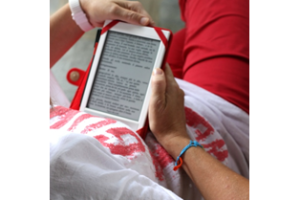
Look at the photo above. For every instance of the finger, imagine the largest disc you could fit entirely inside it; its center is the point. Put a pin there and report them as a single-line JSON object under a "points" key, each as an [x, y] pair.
{"points": [[137, 7], [158, 87], [130, 5], [129, 16], [171, 82], [152, 23]]}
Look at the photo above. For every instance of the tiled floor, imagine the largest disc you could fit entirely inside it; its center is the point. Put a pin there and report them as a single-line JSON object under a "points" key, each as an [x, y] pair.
{"points": [[165, 13]]}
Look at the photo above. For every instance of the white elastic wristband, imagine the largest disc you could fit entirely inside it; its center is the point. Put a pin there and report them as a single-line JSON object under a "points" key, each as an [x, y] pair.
{"points": [[79, 16]]}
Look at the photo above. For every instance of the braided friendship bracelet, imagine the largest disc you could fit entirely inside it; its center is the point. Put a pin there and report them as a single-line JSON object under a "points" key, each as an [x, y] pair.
{"points": [[191, 144]]}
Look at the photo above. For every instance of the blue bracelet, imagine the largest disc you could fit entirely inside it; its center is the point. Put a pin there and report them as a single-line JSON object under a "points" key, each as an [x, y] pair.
{"points": [[191, 144]]}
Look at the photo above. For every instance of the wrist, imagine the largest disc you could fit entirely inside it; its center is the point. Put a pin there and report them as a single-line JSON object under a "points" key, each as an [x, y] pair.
{"points": [[175, 144], [83, 4], [79, 15]]}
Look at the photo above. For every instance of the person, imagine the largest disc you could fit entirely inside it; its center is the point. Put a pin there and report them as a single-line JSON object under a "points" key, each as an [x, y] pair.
{"points": [[207, 102]]}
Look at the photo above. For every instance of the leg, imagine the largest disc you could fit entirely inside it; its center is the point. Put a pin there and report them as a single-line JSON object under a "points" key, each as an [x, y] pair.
{"points": [[216, 47]]}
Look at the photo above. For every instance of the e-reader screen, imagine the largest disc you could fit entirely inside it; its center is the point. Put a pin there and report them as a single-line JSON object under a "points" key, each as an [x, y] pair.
{"points": [[123, 75]]}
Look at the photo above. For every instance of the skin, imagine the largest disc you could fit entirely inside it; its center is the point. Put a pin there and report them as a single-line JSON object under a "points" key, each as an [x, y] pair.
{"points": [[167, 122], [64, 32], [166, 109]]}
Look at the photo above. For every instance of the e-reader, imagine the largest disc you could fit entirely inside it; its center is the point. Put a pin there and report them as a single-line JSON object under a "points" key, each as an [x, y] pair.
{"points": [[118, 86]]}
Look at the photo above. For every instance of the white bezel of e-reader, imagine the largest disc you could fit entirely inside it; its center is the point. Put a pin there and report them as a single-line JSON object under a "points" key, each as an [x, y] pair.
{"points": [[142, 31]]}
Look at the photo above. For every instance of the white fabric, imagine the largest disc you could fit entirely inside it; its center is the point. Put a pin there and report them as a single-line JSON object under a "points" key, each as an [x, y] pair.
{"points": [[121, 163], [81, 168], [231, 122]]}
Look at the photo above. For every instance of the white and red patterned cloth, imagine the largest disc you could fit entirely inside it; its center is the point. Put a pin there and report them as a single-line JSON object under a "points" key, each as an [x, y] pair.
{"points": [[97, 158]]}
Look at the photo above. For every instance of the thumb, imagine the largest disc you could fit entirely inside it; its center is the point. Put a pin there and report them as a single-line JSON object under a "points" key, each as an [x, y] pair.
{"points": [[130, 16], [158, 87]]}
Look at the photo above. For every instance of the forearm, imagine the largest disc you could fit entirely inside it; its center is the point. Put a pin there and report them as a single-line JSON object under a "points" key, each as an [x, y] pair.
{"points": [[64, 33], [212, 178], [168, 124]]}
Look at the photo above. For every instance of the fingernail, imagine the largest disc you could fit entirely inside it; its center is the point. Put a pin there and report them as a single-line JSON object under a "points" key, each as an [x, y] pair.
{"points": [[157, 71], [144, 21]]}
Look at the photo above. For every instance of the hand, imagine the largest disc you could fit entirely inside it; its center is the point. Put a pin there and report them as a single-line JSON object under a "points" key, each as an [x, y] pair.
{"points": [[167, 122], [166, 109], [97, 11]]}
